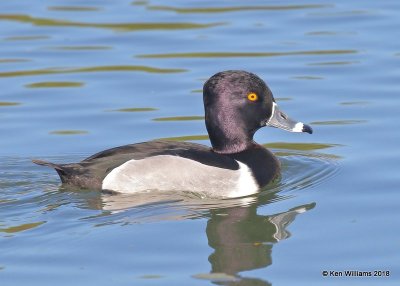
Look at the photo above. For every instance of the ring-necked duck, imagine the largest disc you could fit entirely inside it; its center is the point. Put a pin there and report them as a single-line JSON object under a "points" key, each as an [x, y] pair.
{"points": [[237, 104]]}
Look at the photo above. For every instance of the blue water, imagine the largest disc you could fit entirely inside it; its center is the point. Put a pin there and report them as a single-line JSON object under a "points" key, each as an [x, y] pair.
{"points": [[77, 78]]}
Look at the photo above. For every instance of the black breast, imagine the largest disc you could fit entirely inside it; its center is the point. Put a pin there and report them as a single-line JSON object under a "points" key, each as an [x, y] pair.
{"points": [[263, 164]]}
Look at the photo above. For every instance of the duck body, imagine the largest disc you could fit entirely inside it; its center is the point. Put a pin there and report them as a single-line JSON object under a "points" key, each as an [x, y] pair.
{"points": [[169, 165], [237, 104]]}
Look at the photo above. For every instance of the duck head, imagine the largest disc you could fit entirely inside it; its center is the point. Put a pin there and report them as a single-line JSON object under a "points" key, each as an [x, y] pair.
{"points": [[237, 104]]}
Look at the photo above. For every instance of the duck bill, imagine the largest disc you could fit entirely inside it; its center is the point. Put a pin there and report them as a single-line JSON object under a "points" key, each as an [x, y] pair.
{"points": [[280, 120]]}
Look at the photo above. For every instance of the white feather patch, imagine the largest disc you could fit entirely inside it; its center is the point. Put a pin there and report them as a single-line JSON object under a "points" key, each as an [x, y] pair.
{"points": [[173, 173], [298, 127]]}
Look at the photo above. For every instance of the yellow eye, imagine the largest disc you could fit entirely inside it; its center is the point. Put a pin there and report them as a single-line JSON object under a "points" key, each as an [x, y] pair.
{"points": [[252, 96]]}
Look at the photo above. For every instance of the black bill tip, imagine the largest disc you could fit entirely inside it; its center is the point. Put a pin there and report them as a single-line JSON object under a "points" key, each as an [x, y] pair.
{"points": [[307, 128]]}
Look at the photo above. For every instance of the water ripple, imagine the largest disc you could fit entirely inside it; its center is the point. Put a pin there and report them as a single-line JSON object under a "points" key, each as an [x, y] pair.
{"points": [[236, 8], [121, 27], [73, 8], [36, 190], [124, 68], [301, 170], [244, 54]]}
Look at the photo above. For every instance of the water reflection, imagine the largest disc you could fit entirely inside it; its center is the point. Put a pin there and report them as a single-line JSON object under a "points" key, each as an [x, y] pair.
{"points": [[244, 54], [300, 146], [9, 103], [54, 84], [243, 240], [179, 118], [361, 103], [121, 27], [339, 122], [134, 109], [81, 48], [199, 137], [239, 231], [321, 33], [27, 38], [234, 8], [22, 227], [124, 68], [329, 33], [7, 61], [350, 13], [68, 132], [336, 63], [308, 77], [73, 8]]}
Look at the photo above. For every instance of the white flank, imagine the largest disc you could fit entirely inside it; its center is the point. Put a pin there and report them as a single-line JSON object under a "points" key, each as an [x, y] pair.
{"points": [[173, 173], [247, 184]]}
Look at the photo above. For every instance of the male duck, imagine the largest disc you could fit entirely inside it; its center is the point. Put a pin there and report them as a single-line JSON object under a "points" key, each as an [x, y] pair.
{"points": [[237, 104]]}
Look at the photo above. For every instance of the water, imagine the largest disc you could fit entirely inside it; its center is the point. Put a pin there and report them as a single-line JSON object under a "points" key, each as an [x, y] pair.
{"points": [[77, 78]]}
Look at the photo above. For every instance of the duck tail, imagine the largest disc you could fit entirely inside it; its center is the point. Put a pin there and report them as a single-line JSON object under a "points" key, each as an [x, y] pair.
{"points": [[59, 168], [45, 163]]}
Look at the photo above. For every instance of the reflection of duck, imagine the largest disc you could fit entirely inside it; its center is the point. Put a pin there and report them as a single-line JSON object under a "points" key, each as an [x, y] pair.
{"points": [[237, 104], [243, 240]]}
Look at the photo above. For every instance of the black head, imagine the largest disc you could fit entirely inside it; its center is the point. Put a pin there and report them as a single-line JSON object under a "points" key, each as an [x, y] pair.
{"points": [[237, 104]]}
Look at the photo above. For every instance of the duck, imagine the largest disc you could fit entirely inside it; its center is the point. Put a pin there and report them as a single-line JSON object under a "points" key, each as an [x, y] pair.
{"points": [[237, 103]]}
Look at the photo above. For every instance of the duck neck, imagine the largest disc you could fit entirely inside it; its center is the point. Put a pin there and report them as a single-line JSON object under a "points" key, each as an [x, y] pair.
{"points": [[230, 142]]}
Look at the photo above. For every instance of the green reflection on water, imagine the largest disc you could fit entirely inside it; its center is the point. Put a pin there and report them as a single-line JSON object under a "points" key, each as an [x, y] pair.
{"points": [[134, 109], [68, 132], [26, 38], [127, 68], [179, 118], [52, 84], [81, 48], [2, 201], [22, 227], [324, 156], [341, 14], [186, 138], [338, 122], [235, 8], [6, 61], [283, 98], [140, 2], [89, 69], [299, 146], [274, 145], [216, 277], [354, 103], [308, 77], [113, 26], [8, 103], [243, 240], [321, 33], [151, 276], [334, 63], [73, 8], [245, 54]]}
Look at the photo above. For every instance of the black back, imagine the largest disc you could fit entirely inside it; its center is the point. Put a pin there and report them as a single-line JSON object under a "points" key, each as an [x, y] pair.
{"points": [[90, 172]]}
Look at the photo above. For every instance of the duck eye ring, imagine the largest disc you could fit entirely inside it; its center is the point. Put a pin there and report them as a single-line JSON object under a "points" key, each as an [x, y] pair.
{"points": [[252, 96]]}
